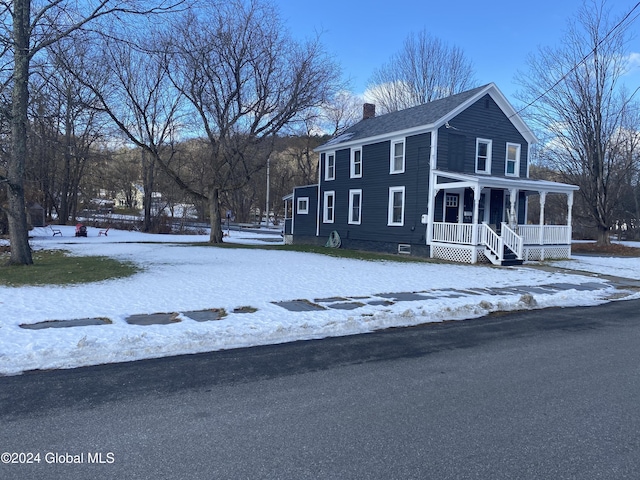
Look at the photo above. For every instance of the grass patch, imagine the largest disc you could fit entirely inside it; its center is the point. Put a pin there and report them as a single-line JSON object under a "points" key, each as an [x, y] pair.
{"points": [[331, 252], [615, 249], [56, 267], [245, 309]]}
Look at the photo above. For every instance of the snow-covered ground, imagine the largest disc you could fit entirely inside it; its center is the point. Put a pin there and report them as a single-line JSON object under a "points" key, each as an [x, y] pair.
{"points": [[176, 277]]}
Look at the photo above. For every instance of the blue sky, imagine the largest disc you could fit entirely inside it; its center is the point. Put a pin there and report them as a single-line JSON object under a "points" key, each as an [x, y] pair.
{"points": [[496, 35]]}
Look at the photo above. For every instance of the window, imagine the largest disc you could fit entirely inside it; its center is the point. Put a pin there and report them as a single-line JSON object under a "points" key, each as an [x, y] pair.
{"points": [[303, 205], [396, 206], [483, 156], [330, 166], [397, 157], [355, 206], [512, 167], [329, 207], [356, 163]]}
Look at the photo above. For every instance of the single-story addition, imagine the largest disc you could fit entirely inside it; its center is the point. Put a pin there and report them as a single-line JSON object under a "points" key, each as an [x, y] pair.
{"points": [[448, 179]]}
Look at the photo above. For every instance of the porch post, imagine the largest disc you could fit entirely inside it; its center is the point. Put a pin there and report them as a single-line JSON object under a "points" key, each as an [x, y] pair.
{"points": [[430, 210], [476, 213], [474, 232], [569, 215], [543, 199], [513, 218], [286, 210]]}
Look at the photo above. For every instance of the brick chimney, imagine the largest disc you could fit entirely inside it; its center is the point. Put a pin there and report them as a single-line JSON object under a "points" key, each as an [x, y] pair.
{"points": [[368, 111]]}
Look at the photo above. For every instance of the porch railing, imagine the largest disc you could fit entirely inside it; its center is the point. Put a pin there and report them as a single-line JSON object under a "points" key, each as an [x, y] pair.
{"points": [[462, 233], [453, 233], [512, 240], [492, 240], [545, 235]]}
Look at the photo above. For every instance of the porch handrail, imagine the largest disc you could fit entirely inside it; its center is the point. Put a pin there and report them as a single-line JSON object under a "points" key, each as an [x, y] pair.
{"points": [[492, 241], [512, 240]]}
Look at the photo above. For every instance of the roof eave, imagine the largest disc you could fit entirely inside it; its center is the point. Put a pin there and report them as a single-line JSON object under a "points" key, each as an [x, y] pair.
{"points": [[489, 181], [377, 138]]}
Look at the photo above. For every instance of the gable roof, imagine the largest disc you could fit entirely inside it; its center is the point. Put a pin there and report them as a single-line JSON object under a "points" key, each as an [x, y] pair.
{"points": [[424, 117]]}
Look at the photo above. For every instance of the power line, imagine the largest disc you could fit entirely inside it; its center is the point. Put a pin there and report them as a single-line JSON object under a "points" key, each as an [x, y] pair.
{"points": [[584, 59]]}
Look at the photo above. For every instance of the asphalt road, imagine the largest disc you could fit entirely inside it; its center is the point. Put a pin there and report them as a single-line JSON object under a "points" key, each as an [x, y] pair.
{"points": [[547, 394]]}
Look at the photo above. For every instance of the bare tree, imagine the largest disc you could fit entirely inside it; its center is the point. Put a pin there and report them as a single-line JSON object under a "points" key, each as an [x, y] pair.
{"points": [[425, 69], [316, 127], [245, 80], [136, 94], [627, 152], [26, 28], [78, 127], [575, 94]]}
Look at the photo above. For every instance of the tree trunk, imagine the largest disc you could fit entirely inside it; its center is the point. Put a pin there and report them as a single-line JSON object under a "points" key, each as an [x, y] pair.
{"points": [[66, 172], [148, 167], [214, 216], [603, 237], [16, 213]]}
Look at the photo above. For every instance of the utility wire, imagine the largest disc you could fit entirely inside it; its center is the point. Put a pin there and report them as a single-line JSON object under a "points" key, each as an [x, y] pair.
{"points": [[584, 59]]}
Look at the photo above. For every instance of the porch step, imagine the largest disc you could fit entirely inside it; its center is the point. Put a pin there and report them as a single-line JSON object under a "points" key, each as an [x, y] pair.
{"points": [[510, 263], [509, 258]]}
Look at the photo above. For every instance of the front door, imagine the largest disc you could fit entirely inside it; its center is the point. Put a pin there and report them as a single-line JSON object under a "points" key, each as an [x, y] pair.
{"points": [[496, 207], [451, 207]]}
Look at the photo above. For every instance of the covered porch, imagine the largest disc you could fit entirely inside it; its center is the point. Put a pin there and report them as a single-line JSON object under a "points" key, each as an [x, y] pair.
{"points": [[477, 218]]}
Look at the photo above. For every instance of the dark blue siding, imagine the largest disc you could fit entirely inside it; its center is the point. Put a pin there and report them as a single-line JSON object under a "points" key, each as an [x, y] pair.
{"points": [[483, 119], [305, 224], [522, 208], [375, 183], [438, 214]]}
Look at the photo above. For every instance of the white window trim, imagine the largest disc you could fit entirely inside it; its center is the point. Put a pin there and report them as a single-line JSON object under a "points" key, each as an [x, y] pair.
{"points": [[327, 176], [392, 191], [325, 210], [392, 162], [352, 193], [352, 170], [302, 211], [516, 169], [489, 150]]}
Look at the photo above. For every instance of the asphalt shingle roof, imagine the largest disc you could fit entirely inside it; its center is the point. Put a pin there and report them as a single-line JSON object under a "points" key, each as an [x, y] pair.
{"points": [[425, 114]]}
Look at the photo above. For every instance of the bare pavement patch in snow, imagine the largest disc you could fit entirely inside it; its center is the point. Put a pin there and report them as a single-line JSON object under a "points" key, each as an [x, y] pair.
{"points": [[205, 298]]}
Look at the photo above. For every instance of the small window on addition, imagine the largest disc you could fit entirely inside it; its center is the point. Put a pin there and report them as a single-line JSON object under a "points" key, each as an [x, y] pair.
{"points": [[303, 205]]}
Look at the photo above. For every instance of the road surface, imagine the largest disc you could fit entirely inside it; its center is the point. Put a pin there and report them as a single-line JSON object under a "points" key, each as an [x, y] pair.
{"points": [[544, 394]]}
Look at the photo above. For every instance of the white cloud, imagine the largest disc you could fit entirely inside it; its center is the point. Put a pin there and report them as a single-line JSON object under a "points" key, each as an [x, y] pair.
{"points": [[632, 63]]}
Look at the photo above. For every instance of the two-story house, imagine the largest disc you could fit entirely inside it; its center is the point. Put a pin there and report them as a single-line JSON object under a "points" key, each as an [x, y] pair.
{"points": [[449, 179]]}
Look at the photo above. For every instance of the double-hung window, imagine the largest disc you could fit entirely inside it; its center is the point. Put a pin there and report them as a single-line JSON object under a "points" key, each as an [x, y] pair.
{"points": [[356, 163], [483, 155], [396, 207], [397, 157], [329, 208], [355, 206], [512, 164], [330, 166], [303, 205]]}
